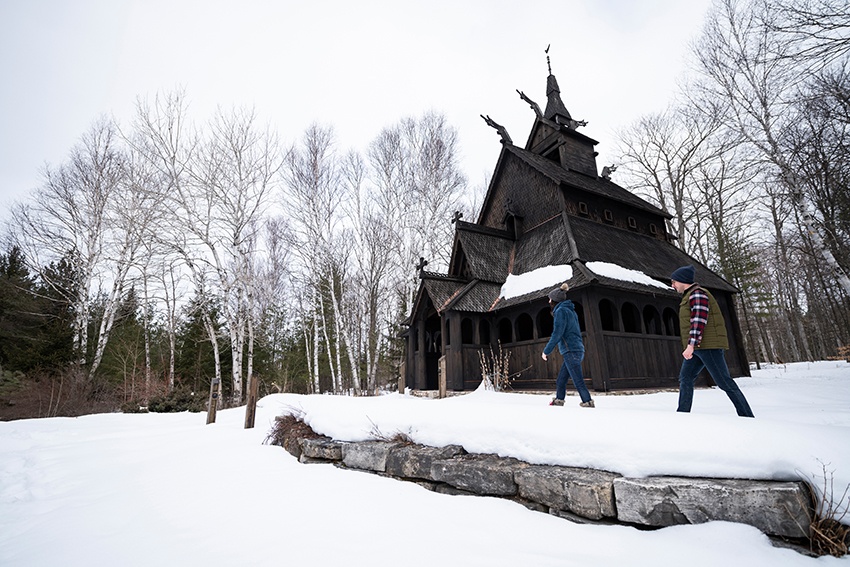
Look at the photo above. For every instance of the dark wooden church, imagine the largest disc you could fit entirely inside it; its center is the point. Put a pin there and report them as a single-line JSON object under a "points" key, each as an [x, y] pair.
{"points": [[547, 206]]}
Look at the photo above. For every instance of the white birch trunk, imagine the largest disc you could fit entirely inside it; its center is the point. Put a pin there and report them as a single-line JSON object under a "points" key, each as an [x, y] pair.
{"points": [[335, 385], [146, 330], [109, 309], [211, 334], [350, 347], [317, 387], [309, 358], [249, 373]]}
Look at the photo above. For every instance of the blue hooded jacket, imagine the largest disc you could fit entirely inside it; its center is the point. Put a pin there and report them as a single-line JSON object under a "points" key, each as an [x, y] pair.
{"points": [[565, 331]]}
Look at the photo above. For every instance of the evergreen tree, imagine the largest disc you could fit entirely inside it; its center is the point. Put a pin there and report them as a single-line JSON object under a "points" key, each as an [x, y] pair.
{"points": [[194, 365], [34, 323]]}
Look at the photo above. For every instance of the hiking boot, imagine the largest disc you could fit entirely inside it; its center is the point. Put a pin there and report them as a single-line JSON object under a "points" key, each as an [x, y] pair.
{"points": [[587, 404], [556, 402]]}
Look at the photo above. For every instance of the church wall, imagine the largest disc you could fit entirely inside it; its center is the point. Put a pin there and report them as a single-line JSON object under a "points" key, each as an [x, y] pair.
{"points": [[578, 156], [606, 211]]}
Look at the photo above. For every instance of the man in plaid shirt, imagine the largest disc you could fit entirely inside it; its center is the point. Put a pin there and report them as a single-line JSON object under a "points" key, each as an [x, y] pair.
{"points": [[704, 341]]}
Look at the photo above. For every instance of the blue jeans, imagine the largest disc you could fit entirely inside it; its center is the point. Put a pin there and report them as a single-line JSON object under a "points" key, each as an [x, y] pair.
{"points": [[571, 369], [714, 360]]}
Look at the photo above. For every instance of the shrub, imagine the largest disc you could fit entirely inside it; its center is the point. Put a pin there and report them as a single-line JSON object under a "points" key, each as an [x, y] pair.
{"points": [[134, 406], [177, 400]]}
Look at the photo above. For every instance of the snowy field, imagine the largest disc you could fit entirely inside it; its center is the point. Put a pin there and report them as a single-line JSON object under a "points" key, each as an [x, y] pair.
{"points": [[165, 489]]}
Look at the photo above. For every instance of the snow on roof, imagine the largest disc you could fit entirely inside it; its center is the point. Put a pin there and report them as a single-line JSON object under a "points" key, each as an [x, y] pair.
{"points": [[535, 280], [552, 276], [616, 272]]}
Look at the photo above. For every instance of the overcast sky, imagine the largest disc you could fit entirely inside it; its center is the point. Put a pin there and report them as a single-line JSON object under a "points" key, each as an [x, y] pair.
{"points": [[356, 65]]}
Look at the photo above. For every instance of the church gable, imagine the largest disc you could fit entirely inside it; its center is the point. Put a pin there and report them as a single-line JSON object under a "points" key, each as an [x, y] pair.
{"points": [[563, 146], [482, 253], [520, 190]]}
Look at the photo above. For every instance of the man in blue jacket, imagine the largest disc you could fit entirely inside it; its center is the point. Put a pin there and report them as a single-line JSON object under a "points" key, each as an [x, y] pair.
{"points": [[567, 335]]}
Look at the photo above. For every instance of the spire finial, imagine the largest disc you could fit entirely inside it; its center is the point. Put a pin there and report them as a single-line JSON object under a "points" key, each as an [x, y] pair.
{"points": [[548, 62]]}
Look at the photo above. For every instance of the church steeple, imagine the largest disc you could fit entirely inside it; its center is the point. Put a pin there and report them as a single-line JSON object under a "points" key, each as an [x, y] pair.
{"points": [[555, 134], [555, 109]]}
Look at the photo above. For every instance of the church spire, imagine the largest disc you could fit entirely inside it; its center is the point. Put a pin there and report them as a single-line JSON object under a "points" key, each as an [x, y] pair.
{"points": [[555, 109]]}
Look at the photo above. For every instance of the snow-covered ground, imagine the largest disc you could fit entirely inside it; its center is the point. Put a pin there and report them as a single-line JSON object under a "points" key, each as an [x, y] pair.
{"points": [[165, 489]]}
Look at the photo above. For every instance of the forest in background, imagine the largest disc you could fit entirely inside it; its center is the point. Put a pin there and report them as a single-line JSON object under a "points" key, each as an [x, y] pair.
{"points": [[170, 257]]}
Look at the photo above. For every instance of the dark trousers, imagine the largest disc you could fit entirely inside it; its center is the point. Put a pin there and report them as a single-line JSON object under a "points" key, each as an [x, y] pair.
{"points": [[714, 360], [572, 369]]}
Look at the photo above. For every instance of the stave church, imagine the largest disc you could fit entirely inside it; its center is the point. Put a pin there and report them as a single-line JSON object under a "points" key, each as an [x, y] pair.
{"points": [[547, 205]]}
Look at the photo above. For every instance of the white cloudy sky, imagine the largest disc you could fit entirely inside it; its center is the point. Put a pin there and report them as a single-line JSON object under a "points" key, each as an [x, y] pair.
{"points": [[356, 65]]}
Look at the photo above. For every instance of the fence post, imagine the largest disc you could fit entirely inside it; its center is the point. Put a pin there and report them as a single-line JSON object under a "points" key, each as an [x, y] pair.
{"points": [[251, 406]]}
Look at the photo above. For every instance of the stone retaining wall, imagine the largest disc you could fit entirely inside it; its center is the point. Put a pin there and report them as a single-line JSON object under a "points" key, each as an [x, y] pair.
{"points": [[781, 509]]}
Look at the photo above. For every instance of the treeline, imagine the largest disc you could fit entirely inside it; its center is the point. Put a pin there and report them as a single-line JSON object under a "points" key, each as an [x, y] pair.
{"points": [[166, 256], [752, 163]]}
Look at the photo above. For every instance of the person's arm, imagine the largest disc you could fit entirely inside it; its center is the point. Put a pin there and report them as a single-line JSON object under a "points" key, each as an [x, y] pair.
{"points": [[558, 326], [699, 316]]}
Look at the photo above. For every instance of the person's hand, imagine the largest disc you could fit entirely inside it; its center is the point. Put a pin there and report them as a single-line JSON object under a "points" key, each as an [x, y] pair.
{"points": [[688, 353], [545, 357]]}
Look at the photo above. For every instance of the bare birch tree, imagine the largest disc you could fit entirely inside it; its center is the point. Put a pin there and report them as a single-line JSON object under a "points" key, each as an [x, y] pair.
{"points": [[417, 188], [752, 67], [80, 214], [311, 195], [664, 155], [234, 177]]}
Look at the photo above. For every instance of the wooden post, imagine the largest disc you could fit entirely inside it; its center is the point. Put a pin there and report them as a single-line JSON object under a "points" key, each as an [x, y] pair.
{"points": [[441, 377], [213, 403], [251, 406]]}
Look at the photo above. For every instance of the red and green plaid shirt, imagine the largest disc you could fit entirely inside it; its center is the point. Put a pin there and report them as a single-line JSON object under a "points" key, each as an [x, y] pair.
{"points": [[699, 316]]}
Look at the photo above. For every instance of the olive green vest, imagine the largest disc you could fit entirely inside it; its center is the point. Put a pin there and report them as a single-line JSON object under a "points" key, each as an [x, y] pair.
{"points": [[714, 334]]}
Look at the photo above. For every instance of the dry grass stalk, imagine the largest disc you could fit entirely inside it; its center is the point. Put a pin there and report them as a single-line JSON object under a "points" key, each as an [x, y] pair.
{"points": [[495, 369], [290, 426], [827, 534], [397, 437]]}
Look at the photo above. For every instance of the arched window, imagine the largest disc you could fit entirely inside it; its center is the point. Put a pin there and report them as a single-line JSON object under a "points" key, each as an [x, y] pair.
{"points": [[631, 318], [608, 314], [466, 331], [524, 327], [580, 313], [484, 332], [652, 320], [448, 331], [544, 323], [671, 322], [506, 334]]}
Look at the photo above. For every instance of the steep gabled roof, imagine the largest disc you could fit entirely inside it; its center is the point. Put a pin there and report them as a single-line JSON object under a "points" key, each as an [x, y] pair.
{"points": [[547, 244], [598, 242], [440, 288], [479, 297], [598, 185], [488, 251]]}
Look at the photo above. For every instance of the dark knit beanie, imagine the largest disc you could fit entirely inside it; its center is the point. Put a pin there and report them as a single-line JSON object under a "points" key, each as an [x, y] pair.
{"points": [[685, 274], [559, 294]]}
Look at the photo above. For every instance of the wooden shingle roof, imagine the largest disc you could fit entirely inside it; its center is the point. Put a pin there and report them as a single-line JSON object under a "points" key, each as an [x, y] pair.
{"points": [[598, 242], [488, 251], [547, 244], [597, 185]]}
